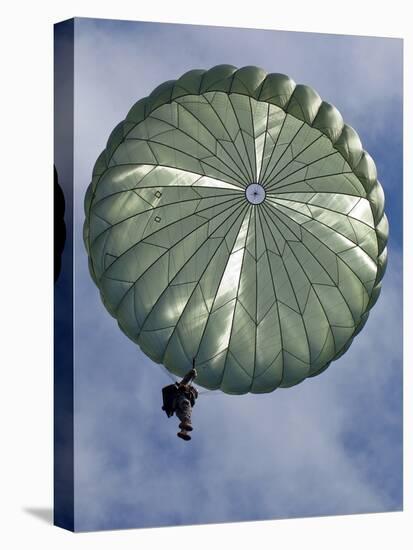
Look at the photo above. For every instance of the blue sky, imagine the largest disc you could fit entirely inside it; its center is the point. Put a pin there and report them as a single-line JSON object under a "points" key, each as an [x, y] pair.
{"points": [[331, 445]]}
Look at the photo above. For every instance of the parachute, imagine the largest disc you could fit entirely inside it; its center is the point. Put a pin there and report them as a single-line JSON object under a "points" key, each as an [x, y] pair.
{"points": [[59, 224], [234, 218]]}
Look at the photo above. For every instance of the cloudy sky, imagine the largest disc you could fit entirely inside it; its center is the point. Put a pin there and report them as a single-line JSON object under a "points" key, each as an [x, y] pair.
{"points": [[331, 445]]}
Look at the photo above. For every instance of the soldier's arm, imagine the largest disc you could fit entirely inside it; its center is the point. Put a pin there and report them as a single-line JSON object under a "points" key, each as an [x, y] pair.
{"points": [[188, 377]]}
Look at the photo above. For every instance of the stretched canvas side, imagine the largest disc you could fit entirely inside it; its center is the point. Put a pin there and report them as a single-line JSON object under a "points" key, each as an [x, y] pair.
{"points": [[63, 287]]}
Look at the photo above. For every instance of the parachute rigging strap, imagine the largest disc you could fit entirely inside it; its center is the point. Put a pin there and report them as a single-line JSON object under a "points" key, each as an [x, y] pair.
{"points": [[175, 379]]}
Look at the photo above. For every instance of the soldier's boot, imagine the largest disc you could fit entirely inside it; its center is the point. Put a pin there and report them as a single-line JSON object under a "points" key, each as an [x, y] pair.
{"points": [[186, 425], [184, 435]]}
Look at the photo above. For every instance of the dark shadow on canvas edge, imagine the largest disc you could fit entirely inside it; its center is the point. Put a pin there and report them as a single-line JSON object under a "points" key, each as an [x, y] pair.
{"points": [[44, 514]]}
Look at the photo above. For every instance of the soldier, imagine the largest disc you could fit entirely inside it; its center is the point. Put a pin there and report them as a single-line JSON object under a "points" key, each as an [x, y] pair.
{"points": [[179, 398]]}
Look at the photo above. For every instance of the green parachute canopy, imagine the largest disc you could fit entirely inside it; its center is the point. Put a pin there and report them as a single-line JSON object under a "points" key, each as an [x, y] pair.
{"points": [[233, 217]]}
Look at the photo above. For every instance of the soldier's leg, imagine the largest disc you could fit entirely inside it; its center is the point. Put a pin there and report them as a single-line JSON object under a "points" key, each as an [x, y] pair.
{"points": [[183, 412]]}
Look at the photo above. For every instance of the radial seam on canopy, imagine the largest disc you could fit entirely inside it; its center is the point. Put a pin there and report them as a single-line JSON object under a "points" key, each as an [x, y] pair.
{"points": [[322, 266], [217, 141], [236, 208], [229, 136], [198, 285], [167, 250]]}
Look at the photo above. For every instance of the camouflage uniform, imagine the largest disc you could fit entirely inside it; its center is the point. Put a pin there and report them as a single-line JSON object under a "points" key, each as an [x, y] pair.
{"points": [[184, 402], [179, 398]]}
